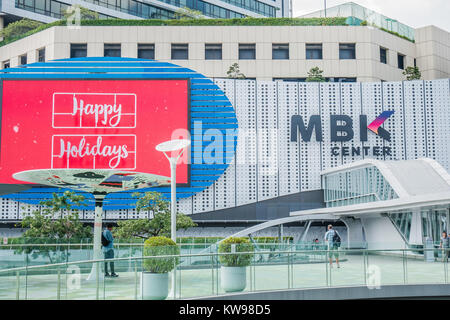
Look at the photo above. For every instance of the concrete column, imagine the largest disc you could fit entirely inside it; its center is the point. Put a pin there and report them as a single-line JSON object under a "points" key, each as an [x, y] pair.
{"points": [[416, 234], [355, 234]]}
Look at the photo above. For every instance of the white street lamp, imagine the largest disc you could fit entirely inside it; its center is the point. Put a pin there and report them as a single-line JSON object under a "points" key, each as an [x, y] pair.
{"points": [[166, 147]]}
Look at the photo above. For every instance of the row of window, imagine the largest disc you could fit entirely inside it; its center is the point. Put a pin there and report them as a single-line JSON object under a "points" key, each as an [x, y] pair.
{"points": [[213, 51], [40, 57], [400, 58]]}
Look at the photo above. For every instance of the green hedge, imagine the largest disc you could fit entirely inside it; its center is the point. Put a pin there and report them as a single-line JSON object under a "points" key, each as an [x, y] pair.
{"points": [[336, 21], [29, 33], [332, 21]]}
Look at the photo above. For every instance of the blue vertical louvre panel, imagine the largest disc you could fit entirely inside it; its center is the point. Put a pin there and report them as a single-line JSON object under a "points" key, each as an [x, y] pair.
{"points": [[210, 113]]}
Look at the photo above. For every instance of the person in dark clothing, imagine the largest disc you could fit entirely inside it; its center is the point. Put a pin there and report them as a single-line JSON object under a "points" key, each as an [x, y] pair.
{"points": [[108, 251]]}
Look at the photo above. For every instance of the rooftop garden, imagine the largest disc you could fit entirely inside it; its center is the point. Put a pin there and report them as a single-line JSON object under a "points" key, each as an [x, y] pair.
{"points": [[24, 28]]}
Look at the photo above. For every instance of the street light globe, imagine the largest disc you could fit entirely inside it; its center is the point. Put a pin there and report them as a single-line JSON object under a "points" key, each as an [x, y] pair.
{"points": [[173, 145]]}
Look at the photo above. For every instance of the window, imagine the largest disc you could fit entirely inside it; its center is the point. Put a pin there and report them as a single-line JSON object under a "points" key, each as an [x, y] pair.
{"points": [[112, 50], [341, 79], [401, 61], [78, 50], [415, 62], [383, 55], [41, 55], [247, 51], [347, 51], [280, 51], [213, 51], [180, 51], [146, 51], [314, 51], [23, 59], [5, 64], [289, 79]]}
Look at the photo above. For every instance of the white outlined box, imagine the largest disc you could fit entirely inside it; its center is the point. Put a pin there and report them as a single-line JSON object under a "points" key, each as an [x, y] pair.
{"points": [[72, 110], [82, 151]]}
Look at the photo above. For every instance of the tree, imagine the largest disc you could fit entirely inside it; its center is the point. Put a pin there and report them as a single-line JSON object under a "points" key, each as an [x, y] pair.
{"points": [[158, 211], [315, 75], [234, 72], [57, 221], [188, 13], [18, 28], [85, 14], [412, 73]]}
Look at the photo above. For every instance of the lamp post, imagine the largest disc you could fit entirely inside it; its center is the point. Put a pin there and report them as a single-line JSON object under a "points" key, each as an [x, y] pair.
{"points": [[166, 147]]}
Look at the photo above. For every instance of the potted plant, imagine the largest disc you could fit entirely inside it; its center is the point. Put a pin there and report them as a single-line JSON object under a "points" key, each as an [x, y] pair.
{"points": [[233, 271], [155, 277]]}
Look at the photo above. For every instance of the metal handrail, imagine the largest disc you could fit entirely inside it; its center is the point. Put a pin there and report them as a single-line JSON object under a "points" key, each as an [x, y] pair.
{"points": [[207, 255]]}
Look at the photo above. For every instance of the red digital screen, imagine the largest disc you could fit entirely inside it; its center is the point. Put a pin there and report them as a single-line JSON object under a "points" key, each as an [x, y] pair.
{"points": [[91, 124]]}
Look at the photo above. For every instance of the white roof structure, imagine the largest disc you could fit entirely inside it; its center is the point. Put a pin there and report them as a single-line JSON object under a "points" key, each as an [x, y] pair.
{"points": [[422, 182]]}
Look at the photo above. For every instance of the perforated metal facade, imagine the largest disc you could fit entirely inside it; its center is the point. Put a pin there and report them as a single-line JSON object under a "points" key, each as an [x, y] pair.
{"points": [[268, 165]]}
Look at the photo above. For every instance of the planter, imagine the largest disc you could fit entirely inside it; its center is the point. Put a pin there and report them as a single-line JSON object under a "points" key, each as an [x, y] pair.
{"points": [[233, 279], [154, 286]]}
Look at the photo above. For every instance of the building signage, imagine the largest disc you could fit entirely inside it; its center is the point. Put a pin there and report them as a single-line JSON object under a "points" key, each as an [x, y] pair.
{"points": [[342, 130], [91, 124]]}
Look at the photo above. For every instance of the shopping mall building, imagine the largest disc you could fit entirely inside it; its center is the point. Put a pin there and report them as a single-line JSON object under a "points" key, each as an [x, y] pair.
{"points": [[365, 150]]}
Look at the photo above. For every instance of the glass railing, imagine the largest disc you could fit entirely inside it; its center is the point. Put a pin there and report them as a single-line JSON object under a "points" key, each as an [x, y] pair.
{"points": [[205, 274]]}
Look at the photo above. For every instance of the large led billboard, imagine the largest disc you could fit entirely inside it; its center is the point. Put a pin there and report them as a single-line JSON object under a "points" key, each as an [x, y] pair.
{"points": [[91, 124]]}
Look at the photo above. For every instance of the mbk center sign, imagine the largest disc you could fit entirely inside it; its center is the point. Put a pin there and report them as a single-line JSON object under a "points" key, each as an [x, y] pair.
{"points": [[342, 129]]}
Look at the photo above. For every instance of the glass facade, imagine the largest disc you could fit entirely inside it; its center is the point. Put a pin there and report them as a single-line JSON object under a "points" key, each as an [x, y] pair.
{"points": [[255, 6], [56, 9], [402, 221], [356, 186], [434, 222], [50, 8], [361, 13]]}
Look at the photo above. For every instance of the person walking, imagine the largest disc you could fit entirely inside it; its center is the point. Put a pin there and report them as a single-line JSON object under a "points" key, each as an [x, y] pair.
{"points": [[333, 240], [108, 250], [445, 246]]}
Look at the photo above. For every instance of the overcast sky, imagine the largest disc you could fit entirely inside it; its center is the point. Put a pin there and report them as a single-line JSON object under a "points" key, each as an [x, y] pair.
{"points": [[414, 13]]}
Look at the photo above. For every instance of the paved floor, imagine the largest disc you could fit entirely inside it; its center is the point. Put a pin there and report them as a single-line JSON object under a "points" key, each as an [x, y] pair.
{"points": [[354, 271]]}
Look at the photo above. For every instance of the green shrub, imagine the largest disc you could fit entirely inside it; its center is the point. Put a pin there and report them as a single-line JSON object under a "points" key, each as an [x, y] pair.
{"points": [[160, 246], [236, 245]]}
